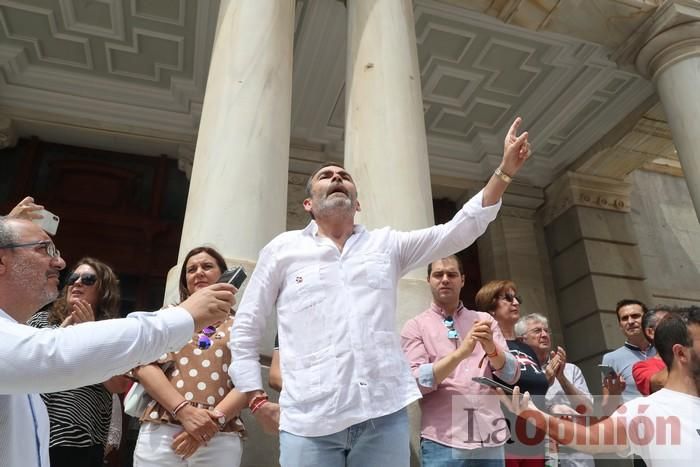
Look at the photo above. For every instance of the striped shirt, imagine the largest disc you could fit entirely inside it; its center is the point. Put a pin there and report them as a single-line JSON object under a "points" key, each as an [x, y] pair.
{"points": [[79, 417]]}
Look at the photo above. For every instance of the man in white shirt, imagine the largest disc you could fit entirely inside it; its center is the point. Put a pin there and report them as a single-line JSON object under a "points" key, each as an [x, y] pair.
{"points": [[333, 285], [45, 360], [662, 428]]}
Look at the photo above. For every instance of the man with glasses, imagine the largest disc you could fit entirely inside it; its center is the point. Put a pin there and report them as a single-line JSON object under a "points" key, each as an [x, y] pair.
{"points": [[334, 286], [569, 394], [446, 346], [46, 360]]}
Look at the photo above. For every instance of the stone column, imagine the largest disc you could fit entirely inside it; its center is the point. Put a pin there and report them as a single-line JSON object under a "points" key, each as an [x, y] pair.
{"points": [[514, 248], [671, 58], [237, 200], [385, 142], [595, 263]]}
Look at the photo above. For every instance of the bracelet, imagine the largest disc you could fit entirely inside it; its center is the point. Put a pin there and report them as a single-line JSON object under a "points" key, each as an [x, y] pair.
{"points": [[179, 407], [260, 402], [502, 175], [494, 354], [257, 401]]}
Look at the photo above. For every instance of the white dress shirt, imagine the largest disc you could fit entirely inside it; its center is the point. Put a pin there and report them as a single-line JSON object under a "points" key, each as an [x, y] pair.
{"points": [[340, 356], [45, 360]]}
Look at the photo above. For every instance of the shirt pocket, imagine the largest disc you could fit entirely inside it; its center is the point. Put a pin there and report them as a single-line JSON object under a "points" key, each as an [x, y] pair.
{"points": [[308, 287], [378, 270], [311, 377]]}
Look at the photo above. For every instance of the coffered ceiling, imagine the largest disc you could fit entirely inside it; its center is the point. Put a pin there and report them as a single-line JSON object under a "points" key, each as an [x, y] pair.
{"points": [[130, 75]]}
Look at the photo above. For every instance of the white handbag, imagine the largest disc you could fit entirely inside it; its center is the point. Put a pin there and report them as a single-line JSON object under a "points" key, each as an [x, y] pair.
{"points": [[136, 400]]}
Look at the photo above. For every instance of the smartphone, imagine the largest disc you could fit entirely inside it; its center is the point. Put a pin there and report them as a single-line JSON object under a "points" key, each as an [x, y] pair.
{"points": [[494, 384], [48, 221], [607, 370], [234, 276]]}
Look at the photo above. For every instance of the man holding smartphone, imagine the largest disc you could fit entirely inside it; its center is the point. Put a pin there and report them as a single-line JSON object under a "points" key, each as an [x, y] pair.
{"points": [[447, 346], [635, 349], [48, 360], [334, 288]]}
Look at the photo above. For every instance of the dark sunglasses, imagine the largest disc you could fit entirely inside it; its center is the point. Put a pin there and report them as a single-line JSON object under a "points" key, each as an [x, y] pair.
{"points": [[86, 278], [452, 333], [509, 297], [204, 341]]}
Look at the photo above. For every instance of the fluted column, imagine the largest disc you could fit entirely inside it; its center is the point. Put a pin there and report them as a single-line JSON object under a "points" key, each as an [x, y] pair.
{"points": [[385, 143], [238, 191], [672, 60]]}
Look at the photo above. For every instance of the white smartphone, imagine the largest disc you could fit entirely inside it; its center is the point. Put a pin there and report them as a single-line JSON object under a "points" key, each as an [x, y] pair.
{"points": [[607, 370], [48, 221]]}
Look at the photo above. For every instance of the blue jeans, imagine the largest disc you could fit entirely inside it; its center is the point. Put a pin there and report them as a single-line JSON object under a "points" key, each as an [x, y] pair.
{"points": [[378, 442], [438, 455]]}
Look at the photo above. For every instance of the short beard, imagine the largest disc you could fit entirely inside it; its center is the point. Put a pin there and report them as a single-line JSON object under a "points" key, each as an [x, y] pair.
{"points": [[34, 285], [327, 208]]}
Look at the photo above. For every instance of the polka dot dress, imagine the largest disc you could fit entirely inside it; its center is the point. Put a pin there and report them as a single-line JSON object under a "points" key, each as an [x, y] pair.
{"points": [[200, 375]]}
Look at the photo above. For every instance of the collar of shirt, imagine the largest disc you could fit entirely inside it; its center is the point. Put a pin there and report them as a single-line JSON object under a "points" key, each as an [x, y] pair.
{"points": [[312, 229], [635, 348], [441, 311]]}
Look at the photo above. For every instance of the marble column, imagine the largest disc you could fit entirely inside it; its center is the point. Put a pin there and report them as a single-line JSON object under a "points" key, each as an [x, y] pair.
{"points": [[595, 261], [672, 60], [238, 188], [237, 200], [385, 142]]}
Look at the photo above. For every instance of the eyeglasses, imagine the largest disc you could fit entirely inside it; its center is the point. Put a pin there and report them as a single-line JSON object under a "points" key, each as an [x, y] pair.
{"points": [[204, 341], [538, 331], [48, 245], [449, 323], [509, 297], [86, 278]]}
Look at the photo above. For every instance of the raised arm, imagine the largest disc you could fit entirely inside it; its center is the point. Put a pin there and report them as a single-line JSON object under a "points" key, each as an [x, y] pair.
{"points": [[516, 150]]}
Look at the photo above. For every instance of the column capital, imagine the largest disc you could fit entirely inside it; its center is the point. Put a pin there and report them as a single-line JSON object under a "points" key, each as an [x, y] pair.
{"points": [[574, 189], [669, 34]]}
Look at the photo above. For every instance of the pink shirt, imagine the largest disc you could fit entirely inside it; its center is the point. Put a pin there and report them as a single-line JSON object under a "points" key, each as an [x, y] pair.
{"points": [[458, 412]]}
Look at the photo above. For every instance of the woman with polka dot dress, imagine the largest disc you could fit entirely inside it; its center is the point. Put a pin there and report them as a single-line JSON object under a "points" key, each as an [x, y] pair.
{"points": [[193, 418]]}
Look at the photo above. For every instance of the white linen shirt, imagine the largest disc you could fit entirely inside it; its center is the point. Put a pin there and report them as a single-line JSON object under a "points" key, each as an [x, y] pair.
{"points": [[46, 360], [340, 357]]}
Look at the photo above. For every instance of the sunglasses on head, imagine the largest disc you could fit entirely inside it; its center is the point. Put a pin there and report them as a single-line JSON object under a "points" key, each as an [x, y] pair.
{"points": [[509, 297], [86, 278], [204, 340]]}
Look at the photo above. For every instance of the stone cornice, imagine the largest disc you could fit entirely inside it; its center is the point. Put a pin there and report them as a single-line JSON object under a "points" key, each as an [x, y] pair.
{"points": [[575, 189]]}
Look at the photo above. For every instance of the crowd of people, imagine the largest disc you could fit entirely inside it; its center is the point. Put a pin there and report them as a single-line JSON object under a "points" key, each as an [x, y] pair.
{"points": [[345, 376]]}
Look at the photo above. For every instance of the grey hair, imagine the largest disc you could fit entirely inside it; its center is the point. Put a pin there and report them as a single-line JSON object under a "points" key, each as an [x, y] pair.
{"points": [[521, 325], [7, 233]]}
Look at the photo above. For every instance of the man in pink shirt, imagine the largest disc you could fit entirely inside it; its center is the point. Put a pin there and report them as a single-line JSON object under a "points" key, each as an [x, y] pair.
{"points": [[447, 345]]}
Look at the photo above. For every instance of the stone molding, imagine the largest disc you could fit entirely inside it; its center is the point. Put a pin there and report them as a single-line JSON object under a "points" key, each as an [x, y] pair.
{"points": [[669, 47], [574, 189]]}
